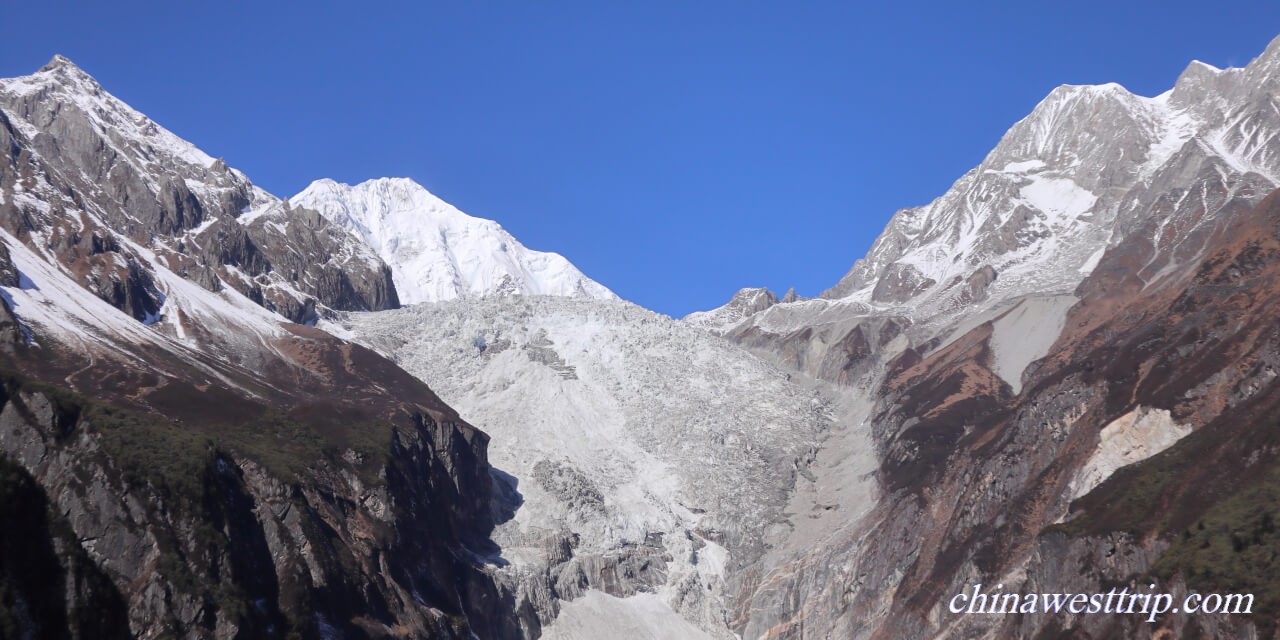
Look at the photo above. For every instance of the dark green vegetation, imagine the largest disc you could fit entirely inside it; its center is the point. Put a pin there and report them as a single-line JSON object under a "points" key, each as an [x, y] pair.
{"points": [[210, 543], [1215, 498], [1234, 547], [171, 454]]}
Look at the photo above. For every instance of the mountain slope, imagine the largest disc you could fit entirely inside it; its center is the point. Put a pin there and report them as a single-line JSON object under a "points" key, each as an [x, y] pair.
{"points": [[437, 252], [89, 182], [1086, 168], [1052, 353], [199, 465], [1095, 475]]}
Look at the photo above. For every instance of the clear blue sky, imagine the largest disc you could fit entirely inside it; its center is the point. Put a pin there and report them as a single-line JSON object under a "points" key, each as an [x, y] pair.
{"points": [[675, 151]]}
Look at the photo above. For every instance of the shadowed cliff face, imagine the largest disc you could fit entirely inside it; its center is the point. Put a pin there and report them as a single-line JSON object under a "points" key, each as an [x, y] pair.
{"points": [[49, 587], [357, 503]]}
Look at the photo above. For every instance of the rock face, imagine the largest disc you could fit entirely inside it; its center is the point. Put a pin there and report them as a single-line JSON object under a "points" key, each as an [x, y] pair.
{"points": [[745, 303], [1057, 359], [49, 587], [1171, 348], [8, 273], [1089, 167], [437, 252], [255, 478], [900, 283], [206, 541], [85, 177]]}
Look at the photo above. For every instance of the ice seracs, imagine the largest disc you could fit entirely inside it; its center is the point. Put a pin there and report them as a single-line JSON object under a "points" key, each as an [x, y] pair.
{"points": [[437, 252], [658, 456]]}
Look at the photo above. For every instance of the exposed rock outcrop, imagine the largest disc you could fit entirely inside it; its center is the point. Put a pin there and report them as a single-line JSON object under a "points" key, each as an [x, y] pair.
{"points": [[745, 303], [100, 186]]}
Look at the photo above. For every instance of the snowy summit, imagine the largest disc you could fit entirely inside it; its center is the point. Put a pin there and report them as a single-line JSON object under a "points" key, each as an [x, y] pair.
{"points": [[437, 252]]}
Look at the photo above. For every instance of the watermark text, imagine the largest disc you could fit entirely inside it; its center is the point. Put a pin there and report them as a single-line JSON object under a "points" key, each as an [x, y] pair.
{"points": [[1147, 602]]}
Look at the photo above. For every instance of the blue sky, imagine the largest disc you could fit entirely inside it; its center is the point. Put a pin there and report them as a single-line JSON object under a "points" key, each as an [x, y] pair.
{"points": [[675, 151]]}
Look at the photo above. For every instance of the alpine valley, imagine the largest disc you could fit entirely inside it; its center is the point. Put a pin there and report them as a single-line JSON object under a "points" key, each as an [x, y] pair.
{"points": [[359, 412]]}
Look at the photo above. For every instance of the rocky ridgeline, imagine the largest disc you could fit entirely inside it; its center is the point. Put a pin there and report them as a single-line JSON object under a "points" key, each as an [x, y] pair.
{"points": [[89, 180]]}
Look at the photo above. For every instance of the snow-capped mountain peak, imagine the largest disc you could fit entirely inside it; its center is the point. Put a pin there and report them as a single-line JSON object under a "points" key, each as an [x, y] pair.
{"points": [[61, 80], [437, 252], [91, 177], [1073, 177]]}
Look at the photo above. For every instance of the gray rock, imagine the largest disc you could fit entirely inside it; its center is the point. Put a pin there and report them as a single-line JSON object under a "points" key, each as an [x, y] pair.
{"points": [[98, 169]]}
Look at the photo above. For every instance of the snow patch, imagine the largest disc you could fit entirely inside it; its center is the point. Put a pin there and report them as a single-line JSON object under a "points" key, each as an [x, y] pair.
{"points": [[202, 227], [1024, 166], [1062, 198], [50, 301], [1092, 262], [1025, 334]]}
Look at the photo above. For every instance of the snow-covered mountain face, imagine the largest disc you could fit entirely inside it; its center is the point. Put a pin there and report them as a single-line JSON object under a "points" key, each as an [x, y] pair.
{"points": [[437, 252], [100, 190], [1089, 166], [654, 460], [1009, 381]]}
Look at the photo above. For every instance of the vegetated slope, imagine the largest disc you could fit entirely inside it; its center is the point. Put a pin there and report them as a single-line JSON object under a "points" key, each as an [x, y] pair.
{"points": [[1050, 431], [437, 252], [1105, 471], [654, 461]]}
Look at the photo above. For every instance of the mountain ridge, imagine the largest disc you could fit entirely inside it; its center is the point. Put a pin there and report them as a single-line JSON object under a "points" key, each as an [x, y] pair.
{"points": [[1052, 189], [1047, 351]]}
